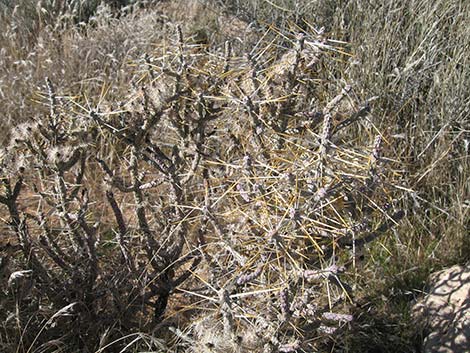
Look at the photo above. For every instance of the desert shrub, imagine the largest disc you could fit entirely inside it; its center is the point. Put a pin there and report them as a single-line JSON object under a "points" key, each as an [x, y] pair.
{"points": [[218, 207]]}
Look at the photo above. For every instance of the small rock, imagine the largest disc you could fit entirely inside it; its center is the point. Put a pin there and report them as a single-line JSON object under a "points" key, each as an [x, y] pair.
{"points": [[443, 314]]}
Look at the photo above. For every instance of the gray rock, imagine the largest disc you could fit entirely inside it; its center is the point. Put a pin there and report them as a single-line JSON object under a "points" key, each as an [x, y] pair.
{"points": [[443, 314]]}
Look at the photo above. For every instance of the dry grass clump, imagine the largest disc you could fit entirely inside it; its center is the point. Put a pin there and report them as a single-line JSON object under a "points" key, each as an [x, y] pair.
{"points": [[47, 39], [225, 189]]}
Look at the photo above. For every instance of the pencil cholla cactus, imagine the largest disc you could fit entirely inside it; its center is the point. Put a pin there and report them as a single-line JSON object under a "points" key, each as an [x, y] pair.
{"points": [[224, 188]]}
